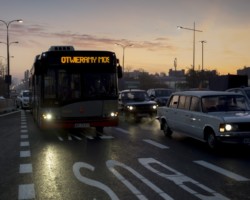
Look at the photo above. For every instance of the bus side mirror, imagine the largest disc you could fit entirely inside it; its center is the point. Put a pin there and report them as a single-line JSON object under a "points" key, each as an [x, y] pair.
{"points": [[119, 71]]}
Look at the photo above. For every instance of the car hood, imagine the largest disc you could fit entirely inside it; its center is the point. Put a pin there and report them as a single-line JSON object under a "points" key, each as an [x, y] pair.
{"points": [[140, 103], [164, 97], [239, 116]]}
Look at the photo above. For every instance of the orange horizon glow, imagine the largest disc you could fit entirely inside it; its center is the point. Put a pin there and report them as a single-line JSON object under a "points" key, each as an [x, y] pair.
{"points": [[151, 29]]}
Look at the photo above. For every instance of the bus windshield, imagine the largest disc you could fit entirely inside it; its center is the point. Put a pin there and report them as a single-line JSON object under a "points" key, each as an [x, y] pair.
{"points": [[65, 86]]}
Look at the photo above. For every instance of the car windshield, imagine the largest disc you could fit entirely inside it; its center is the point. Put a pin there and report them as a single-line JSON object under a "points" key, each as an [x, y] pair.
{"points": [[26, 94], [163, 93], [224, 103], [248, 93], [135, 96]]}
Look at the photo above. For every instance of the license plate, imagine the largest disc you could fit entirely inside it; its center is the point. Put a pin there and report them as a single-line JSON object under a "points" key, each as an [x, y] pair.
{"points": [[246, 141], [81, 125]]}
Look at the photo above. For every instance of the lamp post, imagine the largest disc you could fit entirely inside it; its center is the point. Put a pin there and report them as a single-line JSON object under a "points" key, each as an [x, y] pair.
{"points": [[123, 48], [202, 67], [202, 43], [194, 30], [8, 77]]}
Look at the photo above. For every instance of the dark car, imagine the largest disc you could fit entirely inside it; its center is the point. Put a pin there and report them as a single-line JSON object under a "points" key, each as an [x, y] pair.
{"points": [[136, 104], [160, 95]]}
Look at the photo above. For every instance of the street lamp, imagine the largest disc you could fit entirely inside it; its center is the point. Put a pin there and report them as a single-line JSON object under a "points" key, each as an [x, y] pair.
{"points": [[202, 72], [8, 77], [202, 43], [194, 30], [123, 48]]}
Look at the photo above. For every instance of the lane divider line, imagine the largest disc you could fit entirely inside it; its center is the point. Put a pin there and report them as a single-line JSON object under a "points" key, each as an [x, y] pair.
{"points": [[156, 144], [221, 170]]}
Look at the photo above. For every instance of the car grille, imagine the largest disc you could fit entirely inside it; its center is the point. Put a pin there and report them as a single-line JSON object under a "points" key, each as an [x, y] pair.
{"points": [[143, 108], [244, 127]]}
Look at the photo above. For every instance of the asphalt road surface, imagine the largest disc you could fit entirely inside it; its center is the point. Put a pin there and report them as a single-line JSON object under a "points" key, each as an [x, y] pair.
{"points": [[131, 161]]}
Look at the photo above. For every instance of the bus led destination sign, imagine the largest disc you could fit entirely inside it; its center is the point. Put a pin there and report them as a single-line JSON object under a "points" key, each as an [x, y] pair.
{"points": [[85, 60]]}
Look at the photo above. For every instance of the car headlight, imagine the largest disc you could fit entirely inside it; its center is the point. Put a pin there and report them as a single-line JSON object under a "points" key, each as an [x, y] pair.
{"points": [[131, 108], [154, 107], [228, 127], [47, 116]]}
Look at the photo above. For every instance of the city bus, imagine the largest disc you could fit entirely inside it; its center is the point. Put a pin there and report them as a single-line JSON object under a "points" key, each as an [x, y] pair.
{"points": [[72, 89]]}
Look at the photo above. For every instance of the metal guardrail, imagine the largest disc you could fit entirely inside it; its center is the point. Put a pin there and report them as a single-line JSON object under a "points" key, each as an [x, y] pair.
{"points": [[7, 105]]}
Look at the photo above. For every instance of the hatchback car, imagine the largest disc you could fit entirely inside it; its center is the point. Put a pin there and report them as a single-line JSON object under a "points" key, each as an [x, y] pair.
{"points": [[135, 103]]}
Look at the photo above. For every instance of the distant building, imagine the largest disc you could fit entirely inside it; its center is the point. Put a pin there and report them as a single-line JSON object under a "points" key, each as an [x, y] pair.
{"points": [[244, 71], [176, 73]]}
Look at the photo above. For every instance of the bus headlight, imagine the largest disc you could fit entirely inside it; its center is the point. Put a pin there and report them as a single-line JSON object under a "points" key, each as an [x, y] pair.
{"points": [[47, 116], [114, 114]]}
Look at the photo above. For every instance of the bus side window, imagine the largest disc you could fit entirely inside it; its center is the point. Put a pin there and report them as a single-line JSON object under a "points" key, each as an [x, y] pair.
{"points": [[76, 86]]}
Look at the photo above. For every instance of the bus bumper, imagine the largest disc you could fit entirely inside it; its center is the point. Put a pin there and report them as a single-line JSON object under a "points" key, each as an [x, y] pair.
{"points": [[77, 124]]}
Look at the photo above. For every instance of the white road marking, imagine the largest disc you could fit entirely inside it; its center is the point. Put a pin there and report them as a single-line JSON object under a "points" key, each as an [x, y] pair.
{"points": [[221, 170], [26, 191], [24, 144], [25, 154], [76, 170], [24, 131], [181, 180], [69, 137], [24, 136], [106, 137], [25, 168], [111, 164], [78, 138], [122, 130], [156, 144]]}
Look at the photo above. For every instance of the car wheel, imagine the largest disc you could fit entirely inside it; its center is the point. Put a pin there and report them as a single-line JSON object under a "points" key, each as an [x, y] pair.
{"points": [[166, 130], [211, 140]]}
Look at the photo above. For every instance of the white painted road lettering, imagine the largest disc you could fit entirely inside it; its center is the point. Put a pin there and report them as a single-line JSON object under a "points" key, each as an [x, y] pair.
{"points": [[111, 164], [76, 169], [176, 177], [180, 179]]}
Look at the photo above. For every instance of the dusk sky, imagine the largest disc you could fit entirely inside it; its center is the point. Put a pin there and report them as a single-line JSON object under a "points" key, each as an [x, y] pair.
{"points": [[150, 25]]}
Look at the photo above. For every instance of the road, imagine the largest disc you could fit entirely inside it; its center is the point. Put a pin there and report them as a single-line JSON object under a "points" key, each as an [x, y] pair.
{"points": [[132, 161]]}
